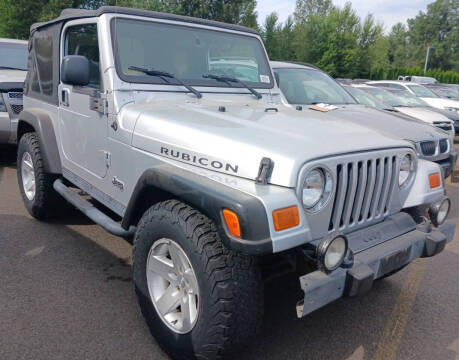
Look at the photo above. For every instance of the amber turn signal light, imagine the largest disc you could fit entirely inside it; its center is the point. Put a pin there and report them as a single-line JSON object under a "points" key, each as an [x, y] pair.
{"points": [[434, 180], [232, 222], [286, 218]]}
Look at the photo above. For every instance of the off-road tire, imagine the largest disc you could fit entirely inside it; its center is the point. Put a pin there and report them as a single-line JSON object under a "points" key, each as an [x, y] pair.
{"points": [[47, 203], [230, 284]]}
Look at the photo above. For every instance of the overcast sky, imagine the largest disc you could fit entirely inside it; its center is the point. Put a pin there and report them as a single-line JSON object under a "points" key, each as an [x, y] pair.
{"points": [[388, 11]]}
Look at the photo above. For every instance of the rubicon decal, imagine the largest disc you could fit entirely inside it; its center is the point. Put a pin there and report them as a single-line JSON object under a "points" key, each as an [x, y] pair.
{"points": [[199, 160]]}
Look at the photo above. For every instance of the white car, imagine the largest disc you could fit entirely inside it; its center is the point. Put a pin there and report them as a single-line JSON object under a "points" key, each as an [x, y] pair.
{"points": [[422, 92], [411, 106]]}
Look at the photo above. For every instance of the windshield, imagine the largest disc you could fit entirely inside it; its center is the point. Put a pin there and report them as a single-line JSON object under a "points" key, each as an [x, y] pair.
{"points": [[385, 96], [188, 53], [309, 86], [449, 93], [13, 56], [421, 91], [366, 99], [408, 98]]}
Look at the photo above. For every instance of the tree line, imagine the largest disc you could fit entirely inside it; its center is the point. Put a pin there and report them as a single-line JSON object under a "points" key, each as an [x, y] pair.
{"points": [[333, 38]]}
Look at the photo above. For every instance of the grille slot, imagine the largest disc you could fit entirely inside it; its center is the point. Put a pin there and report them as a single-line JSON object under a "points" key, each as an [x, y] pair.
{"points": [[16, 108], [363, 191], [15, 95], [428, 148], [443, 145]]}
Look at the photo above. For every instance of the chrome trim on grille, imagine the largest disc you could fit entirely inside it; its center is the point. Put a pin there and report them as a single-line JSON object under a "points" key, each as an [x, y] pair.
{"points": [[15, 95]]}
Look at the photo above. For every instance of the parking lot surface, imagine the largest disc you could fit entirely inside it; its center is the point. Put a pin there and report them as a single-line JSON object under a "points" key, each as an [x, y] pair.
{"points": [[66, 293]]}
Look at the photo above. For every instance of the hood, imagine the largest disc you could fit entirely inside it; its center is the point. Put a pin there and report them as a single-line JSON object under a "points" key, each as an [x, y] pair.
{"points": [[449, 114], [423, 114], [235, 141], [12, 75], [441, 103], [389, 123]]}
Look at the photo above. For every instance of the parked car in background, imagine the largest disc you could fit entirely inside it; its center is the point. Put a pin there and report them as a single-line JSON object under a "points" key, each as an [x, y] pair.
{"points": [[420, 91], [414, 100], [13, 70], [419, 79], [412, 106], [444, 91], [306, 85]]}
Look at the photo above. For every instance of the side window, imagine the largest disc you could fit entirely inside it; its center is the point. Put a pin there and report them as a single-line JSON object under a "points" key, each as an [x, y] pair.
{"points": [[82, 40]]}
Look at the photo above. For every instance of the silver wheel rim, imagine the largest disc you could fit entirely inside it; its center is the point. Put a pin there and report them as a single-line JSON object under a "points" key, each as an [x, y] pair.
{"points": [[28, 176], [173, 286]]}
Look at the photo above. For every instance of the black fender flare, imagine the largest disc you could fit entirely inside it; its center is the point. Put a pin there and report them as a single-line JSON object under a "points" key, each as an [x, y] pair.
{"points": [[41, 123], [209, 197]]}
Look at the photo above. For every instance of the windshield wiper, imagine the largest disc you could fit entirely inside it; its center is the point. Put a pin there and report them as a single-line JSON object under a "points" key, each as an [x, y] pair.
{"points": [[230, 80], [163, 75]]}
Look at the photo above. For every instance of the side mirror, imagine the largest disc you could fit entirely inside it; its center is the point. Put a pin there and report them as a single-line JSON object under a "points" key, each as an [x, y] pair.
{"points": [[75, 70]]}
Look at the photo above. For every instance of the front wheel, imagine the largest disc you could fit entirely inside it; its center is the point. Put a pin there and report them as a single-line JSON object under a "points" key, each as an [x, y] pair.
{"points": [[199, 299], [36, 186]]}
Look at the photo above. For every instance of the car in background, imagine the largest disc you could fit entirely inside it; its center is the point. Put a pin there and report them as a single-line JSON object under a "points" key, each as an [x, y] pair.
{"points": [[13, 70], [308, 89], [411, 106], [444, 91], [419, 79], [420, 91]]}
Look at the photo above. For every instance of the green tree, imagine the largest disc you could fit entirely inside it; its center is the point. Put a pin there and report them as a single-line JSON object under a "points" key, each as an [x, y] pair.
{"points": [[305, 8], [439, 26]]}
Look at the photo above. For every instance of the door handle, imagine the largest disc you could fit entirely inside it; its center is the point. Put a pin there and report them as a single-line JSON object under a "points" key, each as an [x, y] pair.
{"points": [[65, 97]]}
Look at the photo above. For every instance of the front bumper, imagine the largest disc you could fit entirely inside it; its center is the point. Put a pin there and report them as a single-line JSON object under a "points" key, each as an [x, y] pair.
{"points": [[5, 127], [396, 242]]}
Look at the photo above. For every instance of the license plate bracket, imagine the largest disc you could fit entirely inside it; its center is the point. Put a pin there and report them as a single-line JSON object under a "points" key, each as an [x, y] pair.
{"points": [[395, 261]]}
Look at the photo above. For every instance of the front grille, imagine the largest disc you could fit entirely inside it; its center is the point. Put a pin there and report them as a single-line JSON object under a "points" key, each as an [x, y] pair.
{"points": [[15, 95], [428, 148], [363, 191], [443, 145], [16, 109]]}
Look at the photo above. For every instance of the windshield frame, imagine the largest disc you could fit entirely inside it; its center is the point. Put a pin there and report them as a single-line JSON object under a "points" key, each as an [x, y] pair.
{"points": [[10, 45], [149, 80]]}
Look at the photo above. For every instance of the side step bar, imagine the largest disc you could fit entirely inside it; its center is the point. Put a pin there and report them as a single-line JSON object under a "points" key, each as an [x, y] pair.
{"points": [[92, 212]]}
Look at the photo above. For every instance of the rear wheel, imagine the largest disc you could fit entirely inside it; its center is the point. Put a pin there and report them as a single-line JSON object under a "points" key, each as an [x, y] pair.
{"points": [[199, 299], [36, 186]]}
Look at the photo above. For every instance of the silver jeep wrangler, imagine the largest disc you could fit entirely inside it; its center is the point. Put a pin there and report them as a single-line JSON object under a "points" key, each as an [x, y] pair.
{"points": [[177, 127]]}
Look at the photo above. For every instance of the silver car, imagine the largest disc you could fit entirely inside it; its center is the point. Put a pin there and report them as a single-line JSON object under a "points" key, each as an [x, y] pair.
{"points": [[176, 125]]}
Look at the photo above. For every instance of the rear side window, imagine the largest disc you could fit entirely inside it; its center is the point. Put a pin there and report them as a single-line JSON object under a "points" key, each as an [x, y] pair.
{"points": [[43, 67], [82, 40]]}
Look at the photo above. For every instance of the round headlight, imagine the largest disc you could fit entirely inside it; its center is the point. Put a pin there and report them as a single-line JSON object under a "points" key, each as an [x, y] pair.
{"points": [[439, 211], [406, 167], [332, 251], [313, 188]]}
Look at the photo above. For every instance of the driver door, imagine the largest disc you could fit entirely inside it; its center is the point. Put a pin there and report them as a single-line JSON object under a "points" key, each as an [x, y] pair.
{"points": [[83, 128]]}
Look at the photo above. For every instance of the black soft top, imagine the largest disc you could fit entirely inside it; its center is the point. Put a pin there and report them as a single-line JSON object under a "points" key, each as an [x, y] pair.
{"points": [[71, 14]]}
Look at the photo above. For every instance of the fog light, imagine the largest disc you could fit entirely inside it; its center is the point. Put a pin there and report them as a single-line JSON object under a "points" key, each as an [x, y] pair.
{"points": [[331, 251], [439, 211]]}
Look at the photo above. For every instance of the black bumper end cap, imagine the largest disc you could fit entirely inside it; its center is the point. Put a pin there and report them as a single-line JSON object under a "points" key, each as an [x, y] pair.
{"points": [[359, 280], [435, 243]]}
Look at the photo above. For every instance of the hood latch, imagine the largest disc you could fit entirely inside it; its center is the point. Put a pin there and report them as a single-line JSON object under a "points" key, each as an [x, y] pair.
{"points": [[265, 171]]}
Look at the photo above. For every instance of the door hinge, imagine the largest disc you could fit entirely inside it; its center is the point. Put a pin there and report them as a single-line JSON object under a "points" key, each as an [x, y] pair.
{"points": [[98, 104], [108, 159]]}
